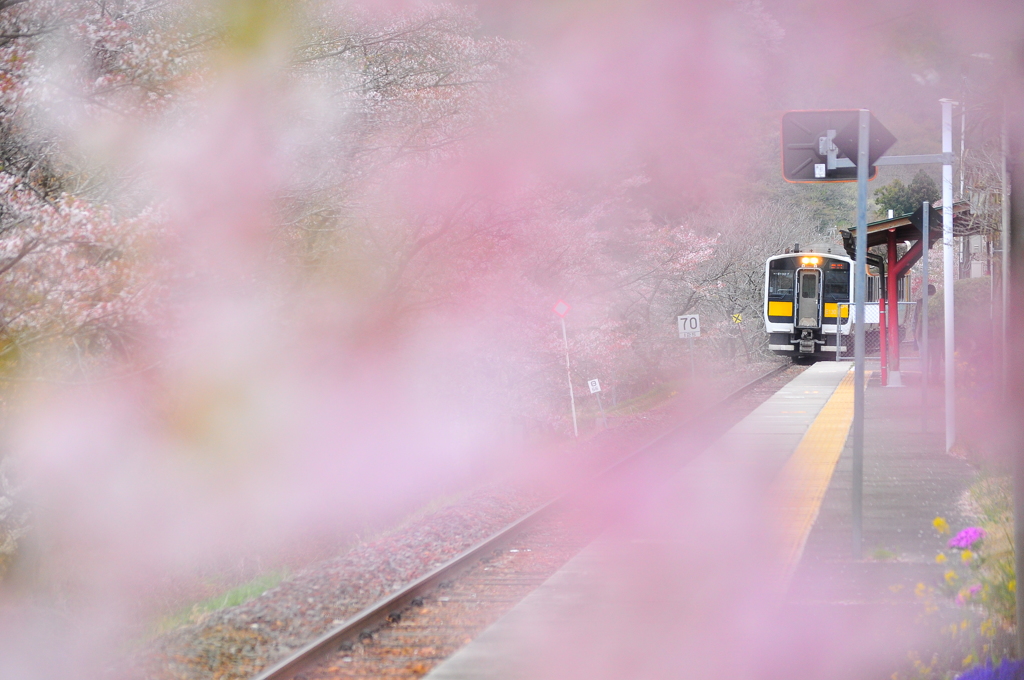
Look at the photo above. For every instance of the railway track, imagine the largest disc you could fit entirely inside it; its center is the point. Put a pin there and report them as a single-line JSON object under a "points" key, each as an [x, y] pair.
{"points": [[412, 630]]}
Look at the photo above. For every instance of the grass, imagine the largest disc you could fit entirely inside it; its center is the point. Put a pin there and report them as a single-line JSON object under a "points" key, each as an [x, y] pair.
{"points": [[194, 613], [645, 402], [231, 598], [883, 555]]}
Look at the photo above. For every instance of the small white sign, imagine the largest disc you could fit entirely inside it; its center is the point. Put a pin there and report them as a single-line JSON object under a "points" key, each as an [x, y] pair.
{"points": [[819, 170], [689, 326], [594, 386]]}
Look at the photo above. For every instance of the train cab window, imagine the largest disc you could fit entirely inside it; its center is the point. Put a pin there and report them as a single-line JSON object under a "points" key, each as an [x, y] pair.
{"points": [[837, 285], [780, 284]]}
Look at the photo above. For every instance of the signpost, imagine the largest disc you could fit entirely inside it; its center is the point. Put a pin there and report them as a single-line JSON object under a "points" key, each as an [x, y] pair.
{"points": [[812, 143], [861, 284], [810, 153], [820, 146], [562, 308], [595, 388], [689, 327], [842, 146]]}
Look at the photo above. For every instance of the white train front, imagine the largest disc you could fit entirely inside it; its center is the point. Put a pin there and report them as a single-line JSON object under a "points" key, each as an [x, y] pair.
{"points": [[807, 303]]}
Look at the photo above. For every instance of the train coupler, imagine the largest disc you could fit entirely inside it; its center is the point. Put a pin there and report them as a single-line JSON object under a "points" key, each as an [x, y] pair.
{"points": [[807, 342]]}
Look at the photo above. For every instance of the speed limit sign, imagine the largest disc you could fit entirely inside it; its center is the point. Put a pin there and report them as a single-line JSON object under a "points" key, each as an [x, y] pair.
{"points": [[689, 326]]}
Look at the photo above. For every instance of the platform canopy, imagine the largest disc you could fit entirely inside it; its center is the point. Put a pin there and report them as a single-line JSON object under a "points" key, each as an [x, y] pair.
{"points": [[908, 227]]}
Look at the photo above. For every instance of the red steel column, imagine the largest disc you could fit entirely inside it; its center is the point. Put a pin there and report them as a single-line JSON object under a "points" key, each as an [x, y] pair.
{"points": [[893, 306]]}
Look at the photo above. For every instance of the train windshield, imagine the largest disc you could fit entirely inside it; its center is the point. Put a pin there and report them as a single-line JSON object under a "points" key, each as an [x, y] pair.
{"points": [[837, 283], [780, 284]]}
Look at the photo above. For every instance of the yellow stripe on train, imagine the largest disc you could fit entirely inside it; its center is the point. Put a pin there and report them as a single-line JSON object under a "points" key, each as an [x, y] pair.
{"points": [[781, 308], [830, 310]]}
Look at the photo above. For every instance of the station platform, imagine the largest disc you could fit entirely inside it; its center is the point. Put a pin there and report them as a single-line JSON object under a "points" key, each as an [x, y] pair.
{"points": [[741, 565]]}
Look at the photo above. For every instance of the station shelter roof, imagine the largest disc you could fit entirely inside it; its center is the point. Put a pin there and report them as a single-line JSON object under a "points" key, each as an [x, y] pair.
{"points": [[908, 226]]}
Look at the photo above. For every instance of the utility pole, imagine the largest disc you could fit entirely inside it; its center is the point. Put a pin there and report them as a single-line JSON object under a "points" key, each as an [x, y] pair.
{"points": [[948, 265]]}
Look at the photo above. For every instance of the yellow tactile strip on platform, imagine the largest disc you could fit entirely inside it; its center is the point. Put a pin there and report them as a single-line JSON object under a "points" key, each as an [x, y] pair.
{"points": [[802, 483]]}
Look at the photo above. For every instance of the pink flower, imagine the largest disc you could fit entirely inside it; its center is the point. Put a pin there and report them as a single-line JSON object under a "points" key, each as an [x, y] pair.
{"points": [[967, 538]]}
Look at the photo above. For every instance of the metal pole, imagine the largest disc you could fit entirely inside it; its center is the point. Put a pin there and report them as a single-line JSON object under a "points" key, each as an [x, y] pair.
{"points": [[1004, 238], [963, 136], [568, 372], [860, 284], [1015, 322], [947, 274], [839, 330], [692, 370], [926, 229]]}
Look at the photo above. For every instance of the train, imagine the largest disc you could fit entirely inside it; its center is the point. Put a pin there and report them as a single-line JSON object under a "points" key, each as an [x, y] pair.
{"points": [[808, 303]]}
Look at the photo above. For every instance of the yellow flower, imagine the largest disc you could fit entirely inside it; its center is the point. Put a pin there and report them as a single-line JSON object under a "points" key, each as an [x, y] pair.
{"points": [[966, 556], [950, 576], [969, 659], [988, 628], [1012, 586], [941, 525], [920, 589], [963, 625], [940, 558]]}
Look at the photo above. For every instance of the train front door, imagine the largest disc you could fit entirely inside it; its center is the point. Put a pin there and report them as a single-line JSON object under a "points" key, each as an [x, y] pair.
{"points": [[808, 310]]}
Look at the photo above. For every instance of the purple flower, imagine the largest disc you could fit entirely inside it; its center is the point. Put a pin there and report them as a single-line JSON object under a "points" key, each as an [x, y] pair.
{"points": [[1007, 670], [966, 538]]}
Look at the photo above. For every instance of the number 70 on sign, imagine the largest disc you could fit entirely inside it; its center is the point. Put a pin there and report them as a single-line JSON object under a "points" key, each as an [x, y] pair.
{"points": [[689, 326]]}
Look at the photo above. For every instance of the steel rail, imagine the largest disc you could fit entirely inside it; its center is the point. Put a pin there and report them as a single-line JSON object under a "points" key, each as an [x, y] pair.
{"points": [[380, 612]]}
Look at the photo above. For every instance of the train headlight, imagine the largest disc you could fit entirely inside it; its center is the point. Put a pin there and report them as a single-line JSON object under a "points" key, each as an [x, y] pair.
{"points": [[810, 261]]}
